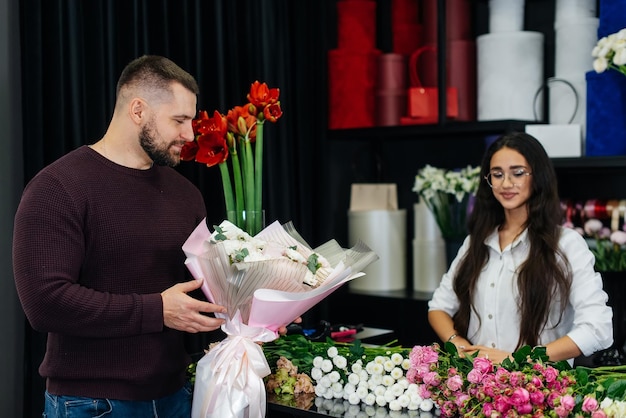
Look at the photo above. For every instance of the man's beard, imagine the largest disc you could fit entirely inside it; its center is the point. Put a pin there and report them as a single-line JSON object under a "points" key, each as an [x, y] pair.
{"points": [[158, 155]]}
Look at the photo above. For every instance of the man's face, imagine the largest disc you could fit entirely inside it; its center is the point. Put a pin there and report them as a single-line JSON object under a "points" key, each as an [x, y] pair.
{"points": [[166, 131]]}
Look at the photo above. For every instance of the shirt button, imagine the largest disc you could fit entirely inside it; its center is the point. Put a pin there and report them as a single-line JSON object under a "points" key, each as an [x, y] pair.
{"points": [[493, 345], [490, 316], [492, 284]]}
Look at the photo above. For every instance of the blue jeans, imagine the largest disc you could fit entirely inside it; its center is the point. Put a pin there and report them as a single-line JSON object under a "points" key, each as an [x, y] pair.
{"points": [[177, 405]]}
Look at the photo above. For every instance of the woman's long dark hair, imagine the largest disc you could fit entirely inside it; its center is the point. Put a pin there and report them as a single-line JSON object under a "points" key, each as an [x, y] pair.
{"points": [[540, 278]]}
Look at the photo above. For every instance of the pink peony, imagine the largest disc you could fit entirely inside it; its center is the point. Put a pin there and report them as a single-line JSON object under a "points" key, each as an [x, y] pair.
{"points": [[593, 226], [431, 379], [618, 237], [455, 383], [537, 397], [550, 374]]}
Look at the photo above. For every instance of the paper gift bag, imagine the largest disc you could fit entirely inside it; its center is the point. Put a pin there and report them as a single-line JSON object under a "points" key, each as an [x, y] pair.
{"points": [[423, 102], [372, 196]]}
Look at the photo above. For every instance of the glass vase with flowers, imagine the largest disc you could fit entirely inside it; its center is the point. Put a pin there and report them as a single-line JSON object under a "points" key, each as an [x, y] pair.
{"points": [[234, 142]]}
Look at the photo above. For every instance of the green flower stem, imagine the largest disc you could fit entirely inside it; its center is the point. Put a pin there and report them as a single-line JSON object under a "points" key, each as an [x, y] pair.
{"points": [[258, 175], [228, 189], [248, 178], [238, 206]]}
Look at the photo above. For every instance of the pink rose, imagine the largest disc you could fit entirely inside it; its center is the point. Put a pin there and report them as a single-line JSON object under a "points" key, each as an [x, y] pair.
{"points": [[519, 397], [488, 409], [537, 397], [483, 365], [550, 374], [590, 404], [474, 376], [598, 414], [568, 402]]}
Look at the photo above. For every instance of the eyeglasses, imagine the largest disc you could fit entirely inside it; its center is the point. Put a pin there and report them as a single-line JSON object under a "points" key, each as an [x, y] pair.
{"points": [[517, 177]]}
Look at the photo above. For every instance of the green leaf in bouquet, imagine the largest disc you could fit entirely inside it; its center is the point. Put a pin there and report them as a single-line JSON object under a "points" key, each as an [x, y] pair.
{"points": [[617, 389]]}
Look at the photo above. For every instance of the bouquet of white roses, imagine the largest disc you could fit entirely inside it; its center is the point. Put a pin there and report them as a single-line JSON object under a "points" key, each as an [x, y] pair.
{"points": [[447, 193], [264, 281]]}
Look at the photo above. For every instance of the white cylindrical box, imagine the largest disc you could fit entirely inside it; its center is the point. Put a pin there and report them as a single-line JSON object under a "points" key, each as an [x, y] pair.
{"points": [[510, 72], [384, 231], [429, 264], [573, 44], [506, 15]]}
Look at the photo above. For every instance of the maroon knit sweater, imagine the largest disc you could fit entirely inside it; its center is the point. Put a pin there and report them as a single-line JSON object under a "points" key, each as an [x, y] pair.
{"points": [[95, 243]]}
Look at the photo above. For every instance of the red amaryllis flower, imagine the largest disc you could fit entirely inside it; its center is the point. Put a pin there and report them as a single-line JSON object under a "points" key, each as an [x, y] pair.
{"points": [[261, 96], [272, 112], [212, 149]]}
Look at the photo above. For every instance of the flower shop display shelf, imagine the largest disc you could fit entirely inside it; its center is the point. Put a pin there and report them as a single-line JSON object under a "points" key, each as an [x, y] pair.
{"points": [[439, 130]]}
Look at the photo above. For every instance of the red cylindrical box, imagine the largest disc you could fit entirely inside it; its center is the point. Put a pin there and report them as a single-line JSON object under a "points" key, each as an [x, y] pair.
{"points": [[392, 72], [351, 79], [356, 25]]}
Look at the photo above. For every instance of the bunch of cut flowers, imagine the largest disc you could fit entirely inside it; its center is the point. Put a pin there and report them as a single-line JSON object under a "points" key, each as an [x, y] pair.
{"points": [[607, 246], [357, 374], [264, 282], [447, 195], [610, 53], [527, 384]]}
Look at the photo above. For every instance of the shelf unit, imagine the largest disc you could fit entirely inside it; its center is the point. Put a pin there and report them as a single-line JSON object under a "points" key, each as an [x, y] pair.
{"points": [[393, 154]]}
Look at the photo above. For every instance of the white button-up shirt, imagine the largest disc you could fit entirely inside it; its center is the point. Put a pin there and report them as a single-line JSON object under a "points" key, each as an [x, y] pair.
{"points": [[587, 319]]}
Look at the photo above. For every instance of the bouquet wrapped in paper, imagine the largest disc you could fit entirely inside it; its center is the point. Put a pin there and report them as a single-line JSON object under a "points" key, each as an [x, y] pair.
{"points": [[265, 282]]}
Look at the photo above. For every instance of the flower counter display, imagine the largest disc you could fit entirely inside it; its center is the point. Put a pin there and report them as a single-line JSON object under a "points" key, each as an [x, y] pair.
{"points": [[434, 380]]}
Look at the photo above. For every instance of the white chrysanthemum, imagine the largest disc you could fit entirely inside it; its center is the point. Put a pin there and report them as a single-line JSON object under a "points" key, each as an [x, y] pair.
{"points": [[413, 406], [380, 401], [362, 392], [395, 405], [397, 389], [389, 365], [356, 367], [375, 380], [404, 382], [354, 379], [349, 388], [326, 366], [370, 399], [340, 362], [320, 390], [388, 380], [389, 395], [377, 369], [406, 364], [338, 394], [397, 358], [396, 373], [427, 405], [354, 399], [379, 390], [328, 394], [334, 376], [316, 373], [324, 381], [317, 361], [364, 375], [404, 400], [332, 351], [336, 387], [354, 411], [380, 359]]}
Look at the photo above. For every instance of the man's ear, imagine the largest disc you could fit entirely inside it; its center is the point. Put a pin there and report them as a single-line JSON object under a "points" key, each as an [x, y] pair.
{"points": [[137, 110]]}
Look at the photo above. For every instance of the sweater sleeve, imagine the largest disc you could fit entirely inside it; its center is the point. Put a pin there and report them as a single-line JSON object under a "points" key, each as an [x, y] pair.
{"points": [[48, 255]]}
